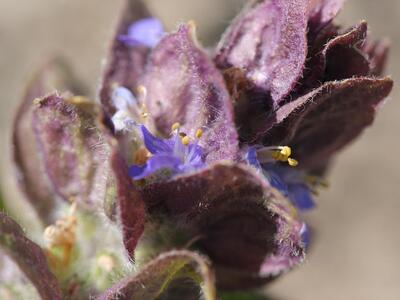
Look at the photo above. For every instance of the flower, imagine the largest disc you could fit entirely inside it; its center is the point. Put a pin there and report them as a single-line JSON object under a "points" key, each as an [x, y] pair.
{"points": [[176, 154], [146, 32], [192, 149]]}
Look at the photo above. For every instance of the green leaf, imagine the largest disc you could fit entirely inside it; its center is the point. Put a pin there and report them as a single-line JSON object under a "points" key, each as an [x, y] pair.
{"points": [[155, 278]]}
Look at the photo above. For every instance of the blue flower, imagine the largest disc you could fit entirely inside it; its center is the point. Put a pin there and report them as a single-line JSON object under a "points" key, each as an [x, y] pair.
{"points": [[145, 32], [176, 154], [288, 181]]}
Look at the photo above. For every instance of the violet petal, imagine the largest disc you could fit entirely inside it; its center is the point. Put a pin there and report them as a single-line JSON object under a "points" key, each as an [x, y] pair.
{"points": [[184, 86], [153, 280], [268, 40], [29, 257], [234, 211], [124, 63]]}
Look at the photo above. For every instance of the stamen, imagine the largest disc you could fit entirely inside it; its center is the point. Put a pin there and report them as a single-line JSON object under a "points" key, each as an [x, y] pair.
{"points": [[141, 156], [277, 153], [142, 91], [175, 126], [292, 162], [185, 140], [199, 133]]}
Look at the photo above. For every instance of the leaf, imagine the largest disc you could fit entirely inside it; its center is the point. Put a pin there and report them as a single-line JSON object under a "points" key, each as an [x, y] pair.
{"points": [[74, 150], [325, 120], [268, 41], [249, 230], [124, 63], [184, 86], [55, 74], [131, 210], [321, 12], [156, 276], [29, 257]]}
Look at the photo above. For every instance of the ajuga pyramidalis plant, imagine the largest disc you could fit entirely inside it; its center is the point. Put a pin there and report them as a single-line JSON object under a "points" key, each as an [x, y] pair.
{"points": [[194, 167]]}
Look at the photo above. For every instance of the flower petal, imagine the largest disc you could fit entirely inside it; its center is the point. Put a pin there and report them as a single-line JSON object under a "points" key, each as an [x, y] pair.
{"points": [[268, 40], [153, 280], [124, 63], [154, 164], [55, 74], [184, 86], [300, 196], [154, 144], [234, 211], [145, 32], [325, 120], [29, 257]]}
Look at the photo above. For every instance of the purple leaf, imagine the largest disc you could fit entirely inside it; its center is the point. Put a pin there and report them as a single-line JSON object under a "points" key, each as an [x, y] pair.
{"points": [[125, 63], [322, 12], [55, 74], [325, 120], [268, 41], [184, 86], [342, 57], [131, 211], [243, 224], [153, 280], [335, 56], [377, 53], [29, 257], [74, 149]]}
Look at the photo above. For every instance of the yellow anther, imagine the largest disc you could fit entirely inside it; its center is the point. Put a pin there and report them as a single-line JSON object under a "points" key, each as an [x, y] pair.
{"points": [[199, 133], [175, 126], [141, 90], [185, 140], [286, 151], [292, 162], [145, 115]]}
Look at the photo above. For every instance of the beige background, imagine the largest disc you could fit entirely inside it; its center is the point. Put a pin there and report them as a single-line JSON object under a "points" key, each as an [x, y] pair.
{"points": [[357, 255]]}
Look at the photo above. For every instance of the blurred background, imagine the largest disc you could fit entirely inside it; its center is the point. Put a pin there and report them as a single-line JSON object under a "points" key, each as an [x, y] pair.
{"points": [[357, 252]]}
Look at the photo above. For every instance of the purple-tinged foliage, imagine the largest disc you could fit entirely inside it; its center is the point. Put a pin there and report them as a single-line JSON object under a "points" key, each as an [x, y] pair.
{"points": [[325, 120], [234, 212], [55, 74], [153, 280], [124, 63], [29, 257], [206, 139], [74, 150], [184, 86], [268, 41], [130, 206]]}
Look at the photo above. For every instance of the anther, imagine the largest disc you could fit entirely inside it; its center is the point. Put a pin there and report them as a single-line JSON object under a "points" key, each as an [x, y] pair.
{"points": [[175, 126], [141, 89], [185, 140], [292, 162], [286, 151], [199, 133]]}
